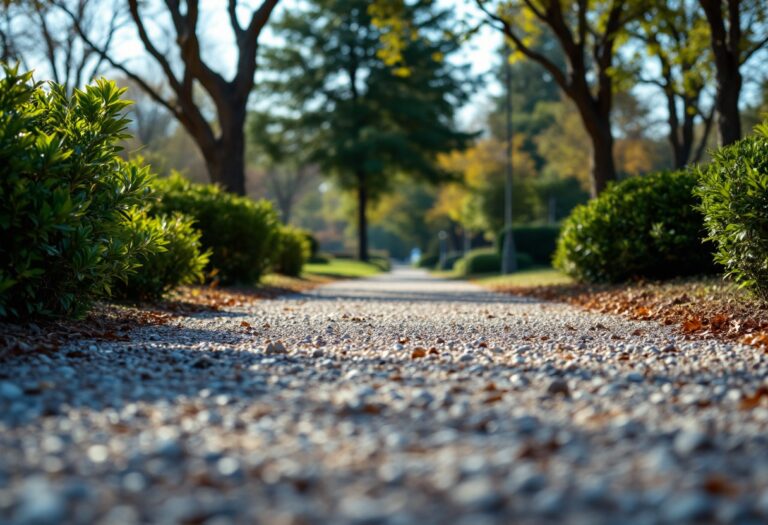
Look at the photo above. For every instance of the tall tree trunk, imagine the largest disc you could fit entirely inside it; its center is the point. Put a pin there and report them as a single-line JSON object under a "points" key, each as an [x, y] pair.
{"points": [[597, 121], [727, 102], [603, 164], [724, 20], [362, 218], [225, 160]]}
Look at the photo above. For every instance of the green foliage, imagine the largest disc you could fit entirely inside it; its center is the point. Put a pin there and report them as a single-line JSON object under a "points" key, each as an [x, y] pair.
{"points": [[538, 242], [734, 200], [314, 244], [381, 262], [241, 234], [177, 260], [293, 251], [65, 197], [428, 260], [641, 227], [450, 261], [486, 260]]}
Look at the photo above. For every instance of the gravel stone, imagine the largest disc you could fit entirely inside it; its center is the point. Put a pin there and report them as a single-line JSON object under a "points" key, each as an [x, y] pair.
{"points": [[398, 399]]}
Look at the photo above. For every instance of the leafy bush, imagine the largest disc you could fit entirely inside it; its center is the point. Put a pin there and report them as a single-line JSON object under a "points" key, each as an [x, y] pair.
{"points": [[293, 250], [380, 262], [241, 234], [65, 197], [734, 199], [487, 260], [321, 258], [314, 244], [428, 261], [641, 227], [177, 260], [450, 261], [539, 242]]}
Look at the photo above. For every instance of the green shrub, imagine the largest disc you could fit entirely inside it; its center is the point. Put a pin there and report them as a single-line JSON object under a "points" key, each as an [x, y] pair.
{"points": [[450, 261], [641, 227], [539, 242], [241, 234], [734, 195], [487, 260], [321, 258], [314, 244], [428, 261], [381, 262], [178, 259], [65, 197], [293, 250]]}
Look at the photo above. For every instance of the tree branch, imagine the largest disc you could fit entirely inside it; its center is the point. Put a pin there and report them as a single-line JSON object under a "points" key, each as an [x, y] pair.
{"points": [[550, 66]]}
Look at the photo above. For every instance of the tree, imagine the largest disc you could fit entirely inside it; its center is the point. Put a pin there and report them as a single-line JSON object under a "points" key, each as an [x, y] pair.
{"points": [[738, 30], [589, 34], [370, 121], [676, 35], [282, 152], [221, 140], [474, 201], [36, 34]]}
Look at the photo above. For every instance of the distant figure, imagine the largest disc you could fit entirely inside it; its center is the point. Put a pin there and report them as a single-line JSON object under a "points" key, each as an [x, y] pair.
{"points": [[415, 255]]}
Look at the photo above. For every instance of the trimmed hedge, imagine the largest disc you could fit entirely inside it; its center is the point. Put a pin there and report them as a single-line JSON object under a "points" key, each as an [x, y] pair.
{"points": [[734, 200], [242, 234], [450, 261], [177, 260], [65, 197], [293, 251], [644, 226], [539, 242], [487, 260], [428, 261]]}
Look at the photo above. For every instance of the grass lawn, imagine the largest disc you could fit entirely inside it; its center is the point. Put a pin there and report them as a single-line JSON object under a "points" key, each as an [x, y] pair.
{"points": [[530, 277], [341, 268]]}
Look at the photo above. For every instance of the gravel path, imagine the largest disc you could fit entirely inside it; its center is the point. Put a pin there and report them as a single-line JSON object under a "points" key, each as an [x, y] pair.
{"points": [[393, 400]]}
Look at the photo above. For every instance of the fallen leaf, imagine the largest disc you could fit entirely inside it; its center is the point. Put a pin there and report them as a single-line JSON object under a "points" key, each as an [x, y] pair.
{"points": [[693, 324], [749, 402]]}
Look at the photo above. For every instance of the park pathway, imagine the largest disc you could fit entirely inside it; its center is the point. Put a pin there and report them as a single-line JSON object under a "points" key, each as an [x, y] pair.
{"points": [[396, 399]]}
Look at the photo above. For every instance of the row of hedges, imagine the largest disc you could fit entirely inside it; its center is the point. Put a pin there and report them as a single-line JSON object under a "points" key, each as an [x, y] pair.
{"points": [[645, 226], [487, 260], [244, 237], [678, 223], [78, 223]]}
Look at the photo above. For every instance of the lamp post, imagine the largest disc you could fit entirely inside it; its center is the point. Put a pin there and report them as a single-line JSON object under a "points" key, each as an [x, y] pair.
{"points": [[508, 258]]}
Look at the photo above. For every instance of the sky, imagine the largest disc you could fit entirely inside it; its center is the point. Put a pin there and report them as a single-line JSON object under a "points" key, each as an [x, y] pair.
{"points": [[218, 48]]}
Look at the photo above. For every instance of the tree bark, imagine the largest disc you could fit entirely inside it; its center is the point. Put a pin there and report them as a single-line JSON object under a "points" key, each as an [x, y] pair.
{"points": [[729, 83], [362, 217], [603, 164], [225, 156], [726, 46]]}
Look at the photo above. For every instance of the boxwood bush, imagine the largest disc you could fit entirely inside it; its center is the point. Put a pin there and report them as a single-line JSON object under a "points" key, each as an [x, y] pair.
{"points": [[734, 200], [293, 251], [645, 226], [242, 234], [539, 242], [428, 260], [487, 260], [65, 197], [178, 258]]}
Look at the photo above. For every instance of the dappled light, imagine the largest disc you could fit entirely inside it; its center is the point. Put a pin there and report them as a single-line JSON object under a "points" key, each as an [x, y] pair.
{"points": [[383, 262]]}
